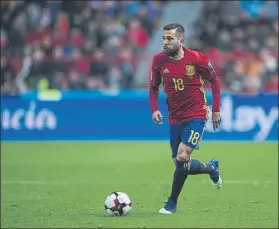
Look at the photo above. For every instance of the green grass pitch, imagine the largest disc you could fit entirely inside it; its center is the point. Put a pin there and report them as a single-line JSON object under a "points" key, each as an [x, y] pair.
{"points": [[65, 185]]}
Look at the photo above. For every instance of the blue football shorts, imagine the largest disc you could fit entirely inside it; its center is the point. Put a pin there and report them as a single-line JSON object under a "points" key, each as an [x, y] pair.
{"points": [[190, 133]]}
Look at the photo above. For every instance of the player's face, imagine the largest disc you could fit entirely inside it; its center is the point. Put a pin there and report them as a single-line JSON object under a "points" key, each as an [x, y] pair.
{"points": [[172, 42]]}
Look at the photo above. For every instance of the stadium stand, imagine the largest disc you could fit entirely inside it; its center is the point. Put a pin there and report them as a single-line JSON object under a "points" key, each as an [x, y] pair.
{"points": [[96, 44]]}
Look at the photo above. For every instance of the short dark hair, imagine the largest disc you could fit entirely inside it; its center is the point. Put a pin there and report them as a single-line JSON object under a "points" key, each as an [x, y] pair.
{"points": [[178, 27]]}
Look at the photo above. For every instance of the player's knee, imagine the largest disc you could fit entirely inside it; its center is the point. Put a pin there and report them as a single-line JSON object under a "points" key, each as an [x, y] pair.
{"points": [[182, 157], [184, 153]]}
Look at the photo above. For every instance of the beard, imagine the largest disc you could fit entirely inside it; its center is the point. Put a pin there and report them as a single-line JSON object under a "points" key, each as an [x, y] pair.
{"points": [[171, 52]]}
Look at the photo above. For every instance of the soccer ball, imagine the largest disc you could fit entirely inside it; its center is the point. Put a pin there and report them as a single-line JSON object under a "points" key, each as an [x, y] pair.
{"points": [[118, 204]]}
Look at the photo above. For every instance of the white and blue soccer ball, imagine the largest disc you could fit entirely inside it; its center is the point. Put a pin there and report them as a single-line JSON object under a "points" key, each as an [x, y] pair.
{"points": [[118, 204]]}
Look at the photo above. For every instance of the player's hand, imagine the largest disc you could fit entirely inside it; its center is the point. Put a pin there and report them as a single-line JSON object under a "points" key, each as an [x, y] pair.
{"points": [[216, 118], [157, 117]]}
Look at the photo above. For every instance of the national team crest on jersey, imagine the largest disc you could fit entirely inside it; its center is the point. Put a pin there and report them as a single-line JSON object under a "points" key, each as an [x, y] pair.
{"points": [[190, 70]]}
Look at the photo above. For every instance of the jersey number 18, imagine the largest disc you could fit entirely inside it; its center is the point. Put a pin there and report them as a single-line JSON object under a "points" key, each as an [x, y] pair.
{"points": [[178, 84]]}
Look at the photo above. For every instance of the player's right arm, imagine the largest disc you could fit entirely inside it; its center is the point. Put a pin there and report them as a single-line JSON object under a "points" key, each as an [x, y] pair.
{"points": [[154, 83]]}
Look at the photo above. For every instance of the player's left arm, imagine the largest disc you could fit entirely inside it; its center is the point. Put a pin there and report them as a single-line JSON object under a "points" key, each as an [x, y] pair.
{"points": [[209, 74], [154, 83]]}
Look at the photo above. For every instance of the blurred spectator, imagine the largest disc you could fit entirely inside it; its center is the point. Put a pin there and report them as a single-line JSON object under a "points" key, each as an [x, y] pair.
{"points": [[31, 70], [99, 66], [76, 38], [62, 24], [136, 35], [114, 33], [271, 84], [45, 17], [144, 20], [7, 77], [60, 81], [114, 78], [76, 81], [126, 63], [47, 46], [80, 63]]}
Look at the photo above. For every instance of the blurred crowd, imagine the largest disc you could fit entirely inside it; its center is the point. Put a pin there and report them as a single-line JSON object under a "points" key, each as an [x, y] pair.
{"points": [[98, 44], [241, 40], [73, 44]]}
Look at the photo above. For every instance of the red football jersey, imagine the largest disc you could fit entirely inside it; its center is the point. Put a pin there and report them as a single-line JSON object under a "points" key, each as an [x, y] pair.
{"points": [[183, 84]]}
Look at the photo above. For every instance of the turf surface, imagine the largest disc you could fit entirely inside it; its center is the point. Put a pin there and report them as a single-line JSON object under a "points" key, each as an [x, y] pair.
{"points": [[65, 185]]}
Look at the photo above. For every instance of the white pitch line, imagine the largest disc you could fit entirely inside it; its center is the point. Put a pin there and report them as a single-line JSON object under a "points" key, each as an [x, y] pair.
{"points": [[26, 182], [243, 182], [64, 182]]}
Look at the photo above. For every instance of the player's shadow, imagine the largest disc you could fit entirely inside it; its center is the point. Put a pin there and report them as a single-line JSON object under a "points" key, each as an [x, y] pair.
{"points": [[142, 214], [130, 215]]}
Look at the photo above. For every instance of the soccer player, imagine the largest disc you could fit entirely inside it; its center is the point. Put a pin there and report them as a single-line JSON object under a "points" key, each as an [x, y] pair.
{"points": [[182, 72]]}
